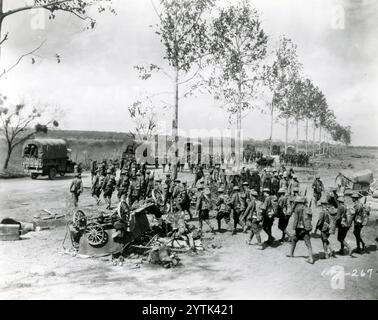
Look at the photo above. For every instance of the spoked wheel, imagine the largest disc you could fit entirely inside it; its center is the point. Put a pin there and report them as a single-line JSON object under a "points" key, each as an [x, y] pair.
{"points": [[96, 234], [77, 217]]}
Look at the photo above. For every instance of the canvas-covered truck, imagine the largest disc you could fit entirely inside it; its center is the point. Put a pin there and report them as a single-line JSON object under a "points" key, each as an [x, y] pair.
{"points": [[46, 157]]}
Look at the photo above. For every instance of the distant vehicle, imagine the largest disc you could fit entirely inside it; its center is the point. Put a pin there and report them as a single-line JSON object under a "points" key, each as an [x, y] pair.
{"points": [[47, 157]]}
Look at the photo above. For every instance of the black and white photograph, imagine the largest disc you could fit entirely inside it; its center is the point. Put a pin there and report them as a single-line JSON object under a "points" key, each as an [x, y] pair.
{"points": [[205, 150]]}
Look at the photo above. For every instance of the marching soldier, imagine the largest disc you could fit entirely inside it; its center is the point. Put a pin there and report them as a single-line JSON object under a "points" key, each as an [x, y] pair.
{"points": [[343, 225], [254, 215], [134, 192], [283, 213], [223, 208], [360, 219], [318, 188], [237, 206], [275, 184], [302, 227], [76, 188], [293, 184], [267, 211], [97, 185], [324, 224], [203, 208], [255, 182], [284, 182], [108, 188], [123, 185]]}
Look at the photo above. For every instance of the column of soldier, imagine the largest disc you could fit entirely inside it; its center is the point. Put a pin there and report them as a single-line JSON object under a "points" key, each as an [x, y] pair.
{"points": [[252, 199]]}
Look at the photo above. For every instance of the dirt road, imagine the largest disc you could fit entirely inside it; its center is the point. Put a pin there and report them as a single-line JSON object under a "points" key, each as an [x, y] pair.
{"points": [[36, 268]]}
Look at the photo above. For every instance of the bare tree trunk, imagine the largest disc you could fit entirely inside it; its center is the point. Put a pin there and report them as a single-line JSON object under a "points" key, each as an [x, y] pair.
{"points": [[287, 134], [271, 128], [238, 142], [9, 152], [297, 135], [238, 128], [175, 125], [320, 139], [306, 136], [313, 139]]}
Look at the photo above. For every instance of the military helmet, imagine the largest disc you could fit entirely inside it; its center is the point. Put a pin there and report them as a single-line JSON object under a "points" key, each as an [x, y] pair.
{"points": [[245, 183], [177, 180], [158, 180], [266, 190], [299, 199], [220, 190], [254, 193], [323, 200], [356, 195], [236, 188], [108, 171], [281, 190], [340, 199], [200, 187], [273, 198]]}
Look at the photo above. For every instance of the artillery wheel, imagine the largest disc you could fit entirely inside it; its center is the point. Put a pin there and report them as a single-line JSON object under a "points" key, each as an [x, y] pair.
{"points": [[77, 216], [96, 234]]}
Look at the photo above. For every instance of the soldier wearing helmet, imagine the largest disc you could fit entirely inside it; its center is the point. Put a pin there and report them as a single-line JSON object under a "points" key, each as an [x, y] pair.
{"points": [[343, 223], [318, 188], [237, 206], [360, 218], [123, 185], [254, 218], [301, 227], [324, 224], [282, 213], [293, 184], [76, 189], [108, 187], [203, 207], [223, 208]]}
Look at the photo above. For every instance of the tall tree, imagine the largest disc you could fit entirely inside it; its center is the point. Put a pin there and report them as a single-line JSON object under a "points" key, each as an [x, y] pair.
{"points": [[238, 46], [279, 77], [181, 28], [18, 124]]}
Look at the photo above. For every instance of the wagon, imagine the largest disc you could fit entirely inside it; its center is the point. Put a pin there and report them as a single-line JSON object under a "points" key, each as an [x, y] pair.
{"points": [[361, 181]]}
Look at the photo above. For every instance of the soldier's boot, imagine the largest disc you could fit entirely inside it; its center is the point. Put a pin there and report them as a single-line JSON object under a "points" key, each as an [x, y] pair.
{"points": [[219, 225], [292, 249]]}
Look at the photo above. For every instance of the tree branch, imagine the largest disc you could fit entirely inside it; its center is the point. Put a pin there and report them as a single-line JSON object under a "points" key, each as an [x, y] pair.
{"points": [[5, 71], [41, 6]]}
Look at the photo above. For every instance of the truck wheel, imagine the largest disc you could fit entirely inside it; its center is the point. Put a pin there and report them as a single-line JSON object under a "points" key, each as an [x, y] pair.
{"points": [[62, 174], [52, 173], [34, 176]]}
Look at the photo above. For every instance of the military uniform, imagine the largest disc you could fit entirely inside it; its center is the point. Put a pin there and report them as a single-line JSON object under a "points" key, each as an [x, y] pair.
{"points": [[301, 227], [324, 224], [343, 223], [223, 209], [283, 214], [238, 206], [203, 208], [76, 189], [108, 187], [318, 188], [359, 219], [97, 186], [123, 186]]}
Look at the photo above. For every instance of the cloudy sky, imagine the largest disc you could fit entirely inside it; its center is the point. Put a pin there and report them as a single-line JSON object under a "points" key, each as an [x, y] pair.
{"points": [[95, 81]]}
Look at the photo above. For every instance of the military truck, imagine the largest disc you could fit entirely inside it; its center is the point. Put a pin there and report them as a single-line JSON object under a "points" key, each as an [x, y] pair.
{"points": [[47, 157]]}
